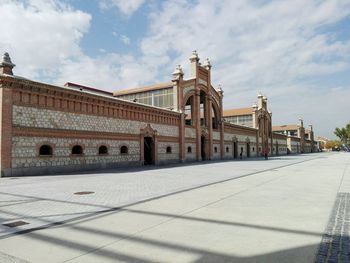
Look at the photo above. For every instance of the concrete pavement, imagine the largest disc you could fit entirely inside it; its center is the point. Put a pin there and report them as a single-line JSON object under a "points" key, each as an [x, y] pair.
{"points": [[250, 211]]}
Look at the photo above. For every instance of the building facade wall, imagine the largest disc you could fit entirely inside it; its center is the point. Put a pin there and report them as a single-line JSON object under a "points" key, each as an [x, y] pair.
{"points": [[293, 144], [35, 114], [25, 151], [165, 157], [190, 132], [61, 118], [50, 119], [279, 145], [244, 138], [308, 146], [190, 152]]}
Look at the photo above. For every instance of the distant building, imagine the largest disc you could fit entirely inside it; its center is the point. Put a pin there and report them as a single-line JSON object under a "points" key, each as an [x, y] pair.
{"points": [[241, 116], [306, 136], [321, 142], [289, 129]]}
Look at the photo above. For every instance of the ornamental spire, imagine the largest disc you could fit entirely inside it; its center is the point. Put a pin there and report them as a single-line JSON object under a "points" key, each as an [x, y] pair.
{"points": [[6, 64]]}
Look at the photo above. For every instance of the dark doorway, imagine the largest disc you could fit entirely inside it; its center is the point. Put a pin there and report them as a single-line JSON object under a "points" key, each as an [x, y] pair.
{"points": [[235, 150], [148, 148], [77, 149], [203, 148], [45, 150], [277, 152], [103, 150], [248, 150]]}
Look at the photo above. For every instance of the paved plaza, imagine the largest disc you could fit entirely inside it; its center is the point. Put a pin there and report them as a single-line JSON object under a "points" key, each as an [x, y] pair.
{"points": [[287, 209]]}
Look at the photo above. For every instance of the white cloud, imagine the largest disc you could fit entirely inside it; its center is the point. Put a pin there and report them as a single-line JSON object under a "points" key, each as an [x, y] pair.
{"points": [[43, 39], [39, 35], [276, 47], [109, 72], [281, 48], [125, 39], [127, 7]]}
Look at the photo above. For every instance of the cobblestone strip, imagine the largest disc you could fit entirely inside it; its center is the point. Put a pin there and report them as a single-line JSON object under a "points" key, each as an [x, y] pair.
{"points": [[335, 242], [5, 258]]}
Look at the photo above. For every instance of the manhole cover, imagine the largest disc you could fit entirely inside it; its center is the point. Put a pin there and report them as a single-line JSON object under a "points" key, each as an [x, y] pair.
{"points": [[15, 224], [84, 193]]}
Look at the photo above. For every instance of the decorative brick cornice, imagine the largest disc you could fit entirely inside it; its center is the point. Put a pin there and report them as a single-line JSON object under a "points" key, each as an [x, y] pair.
{"points": [[233, 128], [29, 93], [57, 133]]}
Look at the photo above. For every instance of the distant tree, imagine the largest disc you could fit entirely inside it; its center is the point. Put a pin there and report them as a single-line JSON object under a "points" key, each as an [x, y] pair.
{"points": [[332, 144], [343, 134]]}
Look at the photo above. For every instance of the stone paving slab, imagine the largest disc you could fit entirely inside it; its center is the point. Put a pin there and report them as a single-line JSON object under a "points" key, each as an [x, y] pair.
{"points": [[278, 213], [4, 258], [47, 200]]}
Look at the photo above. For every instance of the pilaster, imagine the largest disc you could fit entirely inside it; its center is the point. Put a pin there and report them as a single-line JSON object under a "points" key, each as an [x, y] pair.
{"points": [[210, 127], [6, 129], [197, 124]]}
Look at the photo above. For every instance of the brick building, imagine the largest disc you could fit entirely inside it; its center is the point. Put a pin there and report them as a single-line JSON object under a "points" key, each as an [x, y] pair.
{"points": [[49, 129]]}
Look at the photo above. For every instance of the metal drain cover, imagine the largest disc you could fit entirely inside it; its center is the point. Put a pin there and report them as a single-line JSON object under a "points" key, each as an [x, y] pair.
{"points": [[15, 224], [84, 193]]}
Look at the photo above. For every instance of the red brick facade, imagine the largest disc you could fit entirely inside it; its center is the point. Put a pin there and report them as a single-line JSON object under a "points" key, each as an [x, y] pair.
{"points": [[34, 114]]}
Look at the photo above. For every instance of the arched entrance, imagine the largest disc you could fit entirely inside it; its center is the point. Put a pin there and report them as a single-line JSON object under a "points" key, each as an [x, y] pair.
{"points": [[277, 148], [148, 151], [248, 149], [235, 148], [148, 145], [203, 155]]}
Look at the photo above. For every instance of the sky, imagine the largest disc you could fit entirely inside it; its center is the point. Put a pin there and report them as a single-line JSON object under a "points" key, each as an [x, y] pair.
{"points": [[297, 53]]}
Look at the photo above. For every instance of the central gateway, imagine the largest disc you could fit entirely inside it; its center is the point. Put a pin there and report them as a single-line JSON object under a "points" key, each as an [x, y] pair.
{"points": [[203, 155], [148, 151]]}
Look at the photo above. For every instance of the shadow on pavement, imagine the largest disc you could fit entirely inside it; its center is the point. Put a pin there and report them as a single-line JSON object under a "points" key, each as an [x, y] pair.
{"points": [[129, 169]]}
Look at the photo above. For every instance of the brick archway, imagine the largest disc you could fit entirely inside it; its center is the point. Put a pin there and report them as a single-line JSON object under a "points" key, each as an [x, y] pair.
{"points": [[148, 146]]}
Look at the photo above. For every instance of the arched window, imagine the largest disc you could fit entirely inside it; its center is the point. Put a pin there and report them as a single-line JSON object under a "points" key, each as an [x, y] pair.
{"points": [[253, 149], [227, 149], [202, 108], [168, 149], [77, 149], [45, 150], [215, 118], [189, 111], [215, 149], [189, 149], [123, 150], [103, 150]]}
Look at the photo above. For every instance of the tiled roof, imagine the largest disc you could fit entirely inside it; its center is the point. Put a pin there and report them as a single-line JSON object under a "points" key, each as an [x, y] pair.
{"points": [[74, 85], [288, 127], [237, 112], [143, 89]]}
